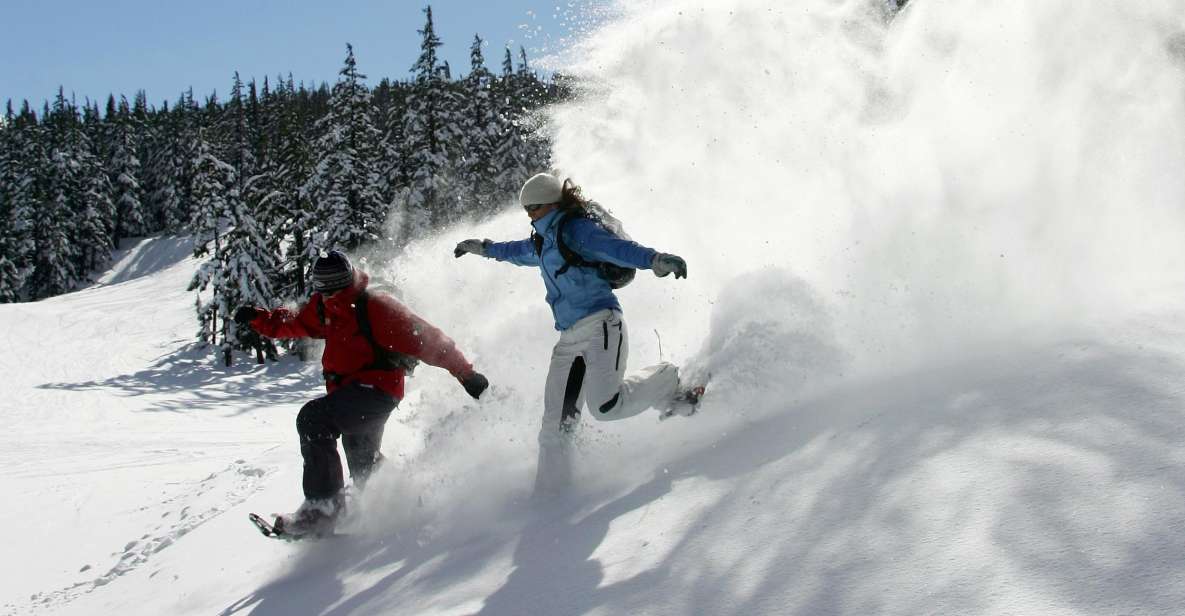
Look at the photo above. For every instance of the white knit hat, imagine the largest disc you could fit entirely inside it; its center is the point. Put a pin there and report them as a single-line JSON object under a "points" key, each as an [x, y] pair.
{"points": [[542, 189]]}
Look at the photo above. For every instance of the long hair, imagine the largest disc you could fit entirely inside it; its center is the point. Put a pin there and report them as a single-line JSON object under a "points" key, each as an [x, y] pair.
{"points": [[571, 198]]}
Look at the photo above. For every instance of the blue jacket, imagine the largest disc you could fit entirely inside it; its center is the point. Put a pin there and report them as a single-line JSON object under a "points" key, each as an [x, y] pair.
{"points": [[579, 291]]}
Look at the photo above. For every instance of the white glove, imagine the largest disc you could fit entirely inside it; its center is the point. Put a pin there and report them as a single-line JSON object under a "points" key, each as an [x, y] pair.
{"points": [[477, 247], [664, 264]]}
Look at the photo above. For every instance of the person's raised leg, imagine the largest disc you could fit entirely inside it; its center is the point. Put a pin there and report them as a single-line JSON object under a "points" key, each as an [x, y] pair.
{"points": [[610, 394]]}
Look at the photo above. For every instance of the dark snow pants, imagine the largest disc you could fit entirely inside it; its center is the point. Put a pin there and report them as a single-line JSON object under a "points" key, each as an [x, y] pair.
{"points": [[357, 413]]}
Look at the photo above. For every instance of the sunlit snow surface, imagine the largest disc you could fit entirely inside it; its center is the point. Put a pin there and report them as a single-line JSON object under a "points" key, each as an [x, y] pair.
{"points": [[933, 276]]}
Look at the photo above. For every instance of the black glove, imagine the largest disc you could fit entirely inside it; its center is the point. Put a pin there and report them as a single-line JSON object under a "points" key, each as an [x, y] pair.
{"points": [[474, 384], [477, 247], [245, 314], [664, 264]]}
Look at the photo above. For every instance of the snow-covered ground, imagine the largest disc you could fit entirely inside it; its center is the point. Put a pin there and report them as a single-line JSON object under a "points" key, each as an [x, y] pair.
{"points": [[933, 276]]}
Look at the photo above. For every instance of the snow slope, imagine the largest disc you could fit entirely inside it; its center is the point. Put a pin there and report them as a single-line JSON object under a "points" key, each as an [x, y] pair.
{"points": [[932, 276]]}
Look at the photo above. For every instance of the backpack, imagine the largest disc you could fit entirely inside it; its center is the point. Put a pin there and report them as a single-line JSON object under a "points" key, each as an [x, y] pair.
{"points": [[383, 359], [616, 275]]}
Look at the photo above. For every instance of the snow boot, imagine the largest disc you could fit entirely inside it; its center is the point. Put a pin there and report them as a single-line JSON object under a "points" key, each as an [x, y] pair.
{"points": [[685, 403], [315, 517]]}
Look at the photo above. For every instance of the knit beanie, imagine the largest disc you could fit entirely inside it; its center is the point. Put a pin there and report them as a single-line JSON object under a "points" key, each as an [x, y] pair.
{"points": [[541, 189], [332, 272]]}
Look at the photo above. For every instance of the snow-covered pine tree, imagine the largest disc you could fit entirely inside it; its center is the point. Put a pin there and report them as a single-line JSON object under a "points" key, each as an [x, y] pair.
{"points": [[54, 261], [512, 156], [257, 239], [97, 180], [293, 213], [455, 203], [246, 274], [214, 192], [478, 136], [15, 244], [394, 168], [256, 119], [164, 171], [507, 66], [8, 271], [94, 211], [389, 101], [261, 189], [426, 134], [21, 185], [344, 184], [147, 137], [186, 121], [124, 168], [236, 134], [292, 217]]}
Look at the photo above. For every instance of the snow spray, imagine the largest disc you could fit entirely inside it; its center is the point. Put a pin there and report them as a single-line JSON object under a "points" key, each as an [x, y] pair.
{"points": [[955, 170], [852, 187]]}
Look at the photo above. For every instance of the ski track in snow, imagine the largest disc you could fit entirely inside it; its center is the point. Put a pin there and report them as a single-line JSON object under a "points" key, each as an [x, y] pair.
{"points": [[210, 497]]}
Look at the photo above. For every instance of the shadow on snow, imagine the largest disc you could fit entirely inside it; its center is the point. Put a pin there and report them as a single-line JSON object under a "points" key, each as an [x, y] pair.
{"points": [[192, 380], [871, 528]]}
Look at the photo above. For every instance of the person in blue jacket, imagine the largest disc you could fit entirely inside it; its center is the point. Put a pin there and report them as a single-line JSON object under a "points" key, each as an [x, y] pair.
{"points": [[589, 361]]}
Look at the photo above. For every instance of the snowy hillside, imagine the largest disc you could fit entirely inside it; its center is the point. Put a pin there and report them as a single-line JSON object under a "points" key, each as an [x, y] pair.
{"points": [[932, 274]]}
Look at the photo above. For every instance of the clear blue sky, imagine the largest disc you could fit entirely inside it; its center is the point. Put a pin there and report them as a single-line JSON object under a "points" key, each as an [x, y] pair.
{"points": [[96, 47]]}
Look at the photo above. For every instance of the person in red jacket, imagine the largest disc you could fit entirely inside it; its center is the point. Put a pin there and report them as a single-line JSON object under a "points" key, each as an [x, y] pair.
{"points": [[364, 377]]}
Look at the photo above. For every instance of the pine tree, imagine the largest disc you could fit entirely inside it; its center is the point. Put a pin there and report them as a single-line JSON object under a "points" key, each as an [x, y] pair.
{"points": [[511, 157], [390, 106], [260, 190], [479, 135], [165, 173], [236, 133], [186, 121], [507, 66], [391, 102], [427, 133], [250, 263], [97, 182], [125, 171], [344, 184], [147, 137], [247, 269], [21, 186], [54, 262], [214, 193], [294, 215], [94, 211], [522, 149], [15, 242]]}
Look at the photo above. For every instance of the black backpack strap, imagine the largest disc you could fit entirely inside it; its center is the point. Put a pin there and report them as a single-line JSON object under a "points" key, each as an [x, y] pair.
{"points": [[383, 358], [321, 311], [571, 257], [362, 314]]}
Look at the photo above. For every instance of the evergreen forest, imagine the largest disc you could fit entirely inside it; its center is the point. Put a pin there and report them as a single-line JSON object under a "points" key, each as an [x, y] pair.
{"points": [[265, 178]]}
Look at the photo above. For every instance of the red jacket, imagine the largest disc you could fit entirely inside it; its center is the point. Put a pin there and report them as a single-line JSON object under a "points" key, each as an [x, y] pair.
{"points": [[347, 351]]}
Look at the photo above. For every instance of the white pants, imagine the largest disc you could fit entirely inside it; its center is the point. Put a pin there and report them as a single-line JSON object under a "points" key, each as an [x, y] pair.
{"points": [[588, 368]]}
